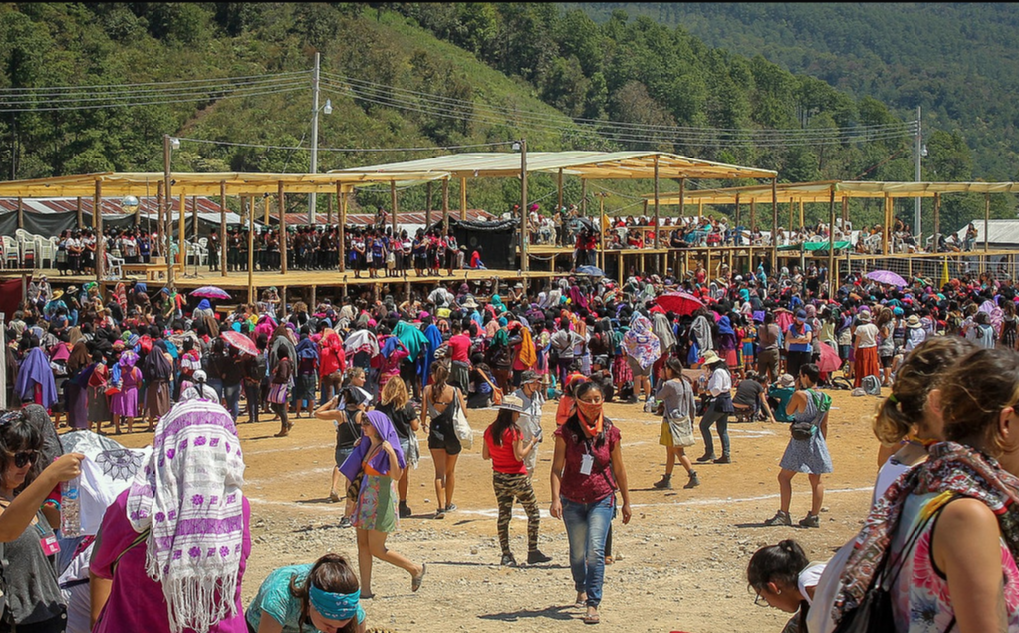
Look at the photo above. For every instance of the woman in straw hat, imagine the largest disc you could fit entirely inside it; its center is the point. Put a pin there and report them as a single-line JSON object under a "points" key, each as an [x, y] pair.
{"points": [[506, 448], [718, 386]]}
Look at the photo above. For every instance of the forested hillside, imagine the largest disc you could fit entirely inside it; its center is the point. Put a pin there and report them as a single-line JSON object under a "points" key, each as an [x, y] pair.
{"points": [[406, 80], [957, 61]]}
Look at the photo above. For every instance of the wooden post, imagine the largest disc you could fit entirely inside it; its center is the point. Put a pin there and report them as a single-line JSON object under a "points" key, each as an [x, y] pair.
{"points": [[774, 220], [937, 220], [987, 217], [524, 263], [700, 211], [341, 204], [265, 219], [848, 234], [560, 189], [181, 234], [792, 215], [161, 208], [222, 227], [884, 228], [601, 203], [79, 212], [832, 286], [445, 204], [428, 210], [463, 200], [802, 221], [392, 193], [658, 209], [282, 201], [194, 226], [97, 212], [329, 210], [251, 246], [736, 223]]}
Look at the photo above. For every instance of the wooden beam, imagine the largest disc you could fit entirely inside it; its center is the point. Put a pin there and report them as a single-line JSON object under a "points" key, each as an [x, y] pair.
{"points": [[222, 228], [445, 205], [559, 188], [282, 201], [251, 246], [181, 234], [97, 213], [392, 193], [658, 208], [463, 200], [832, 286], [341, 203]]}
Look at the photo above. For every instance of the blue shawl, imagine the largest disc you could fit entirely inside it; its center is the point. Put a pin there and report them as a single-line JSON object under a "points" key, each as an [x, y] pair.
{"points": [[35, 369], [306, 348], [434, 337], [384, 427]]}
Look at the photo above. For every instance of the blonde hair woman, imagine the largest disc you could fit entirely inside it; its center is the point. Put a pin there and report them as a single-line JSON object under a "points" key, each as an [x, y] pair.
{"points": [[396, 405]]}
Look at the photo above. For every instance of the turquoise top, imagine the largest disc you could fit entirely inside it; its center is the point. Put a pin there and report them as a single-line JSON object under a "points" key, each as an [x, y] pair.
{"points": [[274, 598]]}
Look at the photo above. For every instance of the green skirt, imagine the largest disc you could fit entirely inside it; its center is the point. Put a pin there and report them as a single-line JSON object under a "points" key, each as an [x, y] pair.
{"points": [[376, 507]]}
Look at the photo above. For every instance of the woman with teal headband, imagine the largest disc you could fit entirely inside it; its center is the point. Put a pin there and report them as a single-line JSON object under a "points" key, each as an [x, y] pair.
{"points": [[321, 596]]}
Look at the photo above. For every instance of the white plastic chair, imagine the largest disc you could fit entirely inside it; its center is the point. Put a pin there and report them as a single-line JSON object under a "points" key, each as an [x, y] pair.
{"points": [[45, 251], [26, 245], [114, 267], [11, 253]]}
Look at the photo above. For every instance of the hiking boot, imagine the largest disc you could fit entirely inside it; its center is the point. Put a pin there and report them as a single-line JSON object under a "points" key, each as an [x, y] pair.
{"points": [[404, 510], [707, 457], [345, 522], [781, 518], [810, 521], [665, 483], [724, 459], [535, 557], [694, 481], [508, 560], [451, 507]]}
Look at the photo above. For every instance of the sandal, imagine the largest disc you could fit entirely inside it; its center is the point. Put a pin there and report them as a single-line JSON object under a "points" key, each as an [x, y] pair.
{"points": [[581, 601], [592, 618], [415, 581]]}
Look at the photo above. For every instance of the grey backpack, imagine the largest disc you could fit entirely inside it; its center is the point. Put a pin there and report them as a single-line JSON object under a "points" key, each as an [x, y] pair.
{"points": [[871, 385]]}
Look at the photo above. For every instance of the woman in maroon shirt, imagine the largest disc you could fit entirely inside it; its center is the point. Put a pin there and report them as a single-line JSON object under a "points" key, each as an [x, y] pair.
{"points": [[587, 469]]}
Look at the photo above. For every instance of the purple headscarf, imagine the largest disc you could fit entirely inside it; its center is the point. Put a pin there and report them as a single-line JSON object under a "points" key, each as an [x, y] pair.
{"points": [[36, 370], [384, 427], [577, 297]]}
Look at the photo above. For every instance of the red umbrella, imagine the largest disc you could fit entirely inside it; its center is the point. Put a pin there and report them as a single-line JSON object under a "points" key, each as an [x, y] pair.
{"points": [[682, 303], [240, 341], [830, 360]]}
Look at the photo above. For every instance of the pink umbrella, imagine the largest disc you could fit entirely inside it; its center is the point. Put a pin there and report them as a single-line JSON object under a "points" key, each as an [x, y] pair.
{"points": [[830, 360], [240, 341]]}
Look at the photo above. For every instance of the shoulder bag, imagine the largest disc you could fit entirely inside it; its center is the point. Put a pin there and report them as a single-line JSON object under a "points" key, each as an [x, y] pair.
{"points": [[874, 613], [461, 427], [804, 429]]}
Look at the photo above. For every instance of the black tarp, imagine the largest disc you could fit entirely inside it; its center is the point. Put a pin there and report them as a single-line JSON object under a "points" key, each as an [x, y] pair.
{"points": [[498, 240], [8, 223]]}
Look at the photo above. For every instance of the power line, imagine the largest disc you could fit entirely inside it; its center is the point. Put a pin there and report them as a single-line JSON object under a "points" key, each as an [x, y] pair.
{"points": [[157, 83], [340, 150], [203, 97], [136, 94]]}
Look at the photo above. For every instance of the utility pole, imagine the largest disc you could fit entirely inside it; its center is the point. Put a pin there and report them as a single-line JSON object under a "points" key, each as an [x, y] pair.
{"points": [[314, 136], [917, 230], [523, 205]]}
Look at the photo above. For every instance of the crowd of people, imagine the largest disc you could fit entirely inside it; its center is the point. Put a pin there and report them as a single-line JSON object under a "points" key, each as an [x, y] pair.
{"points": [[750, 347]]}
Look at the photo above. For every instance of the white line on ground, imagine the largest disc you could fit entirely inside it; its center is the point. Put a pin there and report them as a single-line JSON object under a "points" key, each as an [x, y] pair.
{"points": [[518, 513]]}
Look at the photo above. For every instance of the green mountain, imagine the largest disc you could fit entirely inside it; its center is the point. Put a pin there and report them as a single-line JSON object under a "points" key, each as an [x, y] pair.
{"points": [[956, 61], [412, 80]]}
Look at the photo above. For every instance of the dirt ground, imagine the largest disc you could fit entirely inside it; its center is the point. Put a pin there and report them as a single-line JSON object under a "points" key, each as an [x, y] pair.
{"points": [[680, 563]]}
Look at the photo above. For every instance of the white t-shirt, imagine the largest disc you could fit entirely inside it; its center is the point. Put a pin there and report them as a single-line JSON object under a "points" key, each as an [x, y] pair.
{"points": [[867, 335], [808, 578]]}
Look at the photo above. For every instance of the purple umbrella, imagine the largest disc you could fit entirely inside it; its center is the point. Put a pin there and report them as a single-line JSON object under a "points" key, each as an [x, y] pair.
{"points": [[210, 292], [887, 277]]}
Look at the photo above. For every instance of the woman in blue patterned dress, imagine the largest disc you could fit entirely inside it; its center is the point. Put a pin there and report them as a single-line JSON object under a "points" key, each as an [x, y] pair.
{"points": [[374, 467], [808, 456]]}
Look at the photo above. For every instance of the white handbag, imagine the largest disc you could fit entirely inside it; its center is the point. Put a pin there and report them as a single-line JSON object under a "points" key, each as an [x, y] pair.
{"points": [[461, 427]]}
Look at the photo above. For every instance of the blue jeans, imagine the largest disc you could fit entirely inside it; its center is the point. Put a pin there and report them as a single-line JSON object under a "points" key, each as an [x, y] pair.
{"points": [[232, 395], [713, 416], [587, 525]]}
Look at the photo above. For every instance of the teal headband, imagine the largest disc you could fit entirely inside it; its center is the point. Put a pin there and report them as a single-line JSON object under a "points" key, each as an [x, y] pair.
{"points": [[335, 606]]}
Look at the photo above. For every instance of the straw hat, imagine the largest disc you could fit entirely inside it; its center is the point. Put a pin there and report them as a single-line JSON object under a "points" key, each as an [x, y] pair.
{"points": [[786, 381], [913, 321], [57, 294], [469, 303], [710, 357], [864, 317], [511, 402]]}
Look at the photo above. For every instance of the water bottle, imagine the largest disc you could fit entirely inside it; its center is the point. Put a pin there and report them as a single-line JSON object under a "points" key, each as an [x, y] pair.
{"points": [[70, 508]]}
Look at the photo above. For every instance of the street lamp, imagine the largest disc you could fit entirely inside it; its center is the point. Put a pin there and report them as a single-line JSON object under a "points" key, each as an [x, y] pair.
{"points": [[315, 109]]}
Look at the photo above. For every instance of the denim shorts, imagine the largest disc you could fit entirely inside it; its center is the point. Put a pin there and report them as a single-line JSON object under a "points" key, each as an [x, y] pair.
{"points": [[342, 454]]}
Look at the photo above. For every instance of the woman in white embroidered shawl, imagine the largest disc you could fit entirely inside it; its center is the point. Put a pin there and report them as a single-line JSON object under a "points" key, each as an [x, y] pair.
{"points": [[172, 549]]}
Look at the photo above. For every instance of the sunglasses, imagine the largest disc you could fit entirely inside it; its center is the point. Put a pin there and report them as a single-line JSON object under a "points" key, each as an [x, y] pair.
{"points": [[24, 458]]}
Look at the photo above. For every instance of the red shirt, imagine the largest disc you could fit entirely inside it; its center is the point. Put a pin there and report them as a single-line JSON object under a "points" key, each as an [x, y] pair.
{"points": [[600, 483], [503, 458], [460, 347]]}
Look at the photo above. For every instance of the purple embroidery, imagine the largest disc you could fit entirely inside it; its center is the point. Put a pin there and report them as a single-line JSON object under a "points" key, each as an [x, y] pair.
{"points": [[169, 455], [197, 500], [213, 500], [211, 552], [177, 554], [183, 443], [224, 551], [200, 440], [172, 515], [213, 441], [160, 517], [226, 445], [231, 498], [195, 552]]}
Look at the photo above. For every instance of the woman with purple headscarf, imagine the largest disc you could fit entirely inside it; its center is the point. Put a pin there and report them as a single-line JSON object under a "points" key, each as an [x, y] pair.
{"points": [[124, 402], [373, 469]]}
